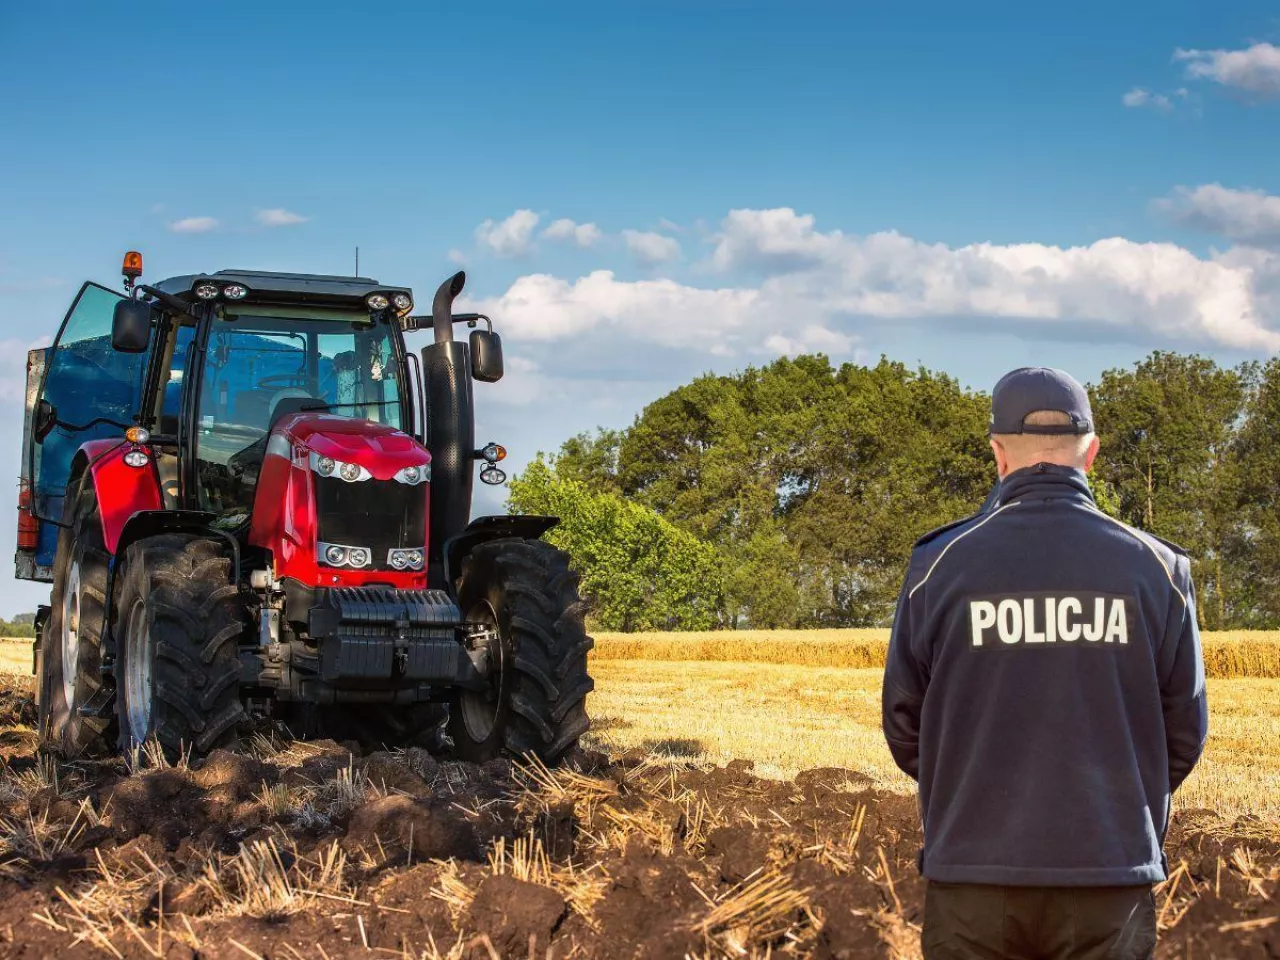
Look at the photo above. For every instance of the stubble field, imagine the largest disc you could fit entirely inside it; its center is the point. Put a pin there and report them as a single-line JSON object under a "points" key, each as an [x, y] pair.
{"points": [[724, 808]]}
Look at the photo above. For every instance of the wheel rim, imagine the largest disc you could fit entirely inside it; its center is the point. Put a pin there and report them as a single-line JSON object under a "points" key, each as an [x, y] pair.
{"points": [[71, 635], [137, 674], [480, 708]]}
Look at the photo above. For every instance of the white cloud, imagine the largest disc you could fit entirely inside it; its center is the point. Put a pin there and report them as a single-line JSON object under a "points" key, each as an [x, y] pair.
{"points": [[458, 257], [1140, 97], [582, 234], [510, 237], [810, 339], [1250, 216], [651, 249], [1255, 69], [279, 217], [1140, 290], [194, 225]]}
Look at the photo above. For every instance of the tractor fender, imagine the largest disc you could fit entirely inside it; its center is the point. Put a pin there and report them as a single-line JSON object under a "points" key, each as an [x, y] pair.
{"points": [[148, 523], [122, 490], [483, 529]]}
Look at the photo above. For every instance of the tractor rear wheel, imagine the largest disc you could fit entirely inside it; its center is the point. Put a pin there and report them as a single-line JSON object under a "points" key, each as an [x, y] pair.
{"points": [[532, 646], [180, 621], [70, 653]]}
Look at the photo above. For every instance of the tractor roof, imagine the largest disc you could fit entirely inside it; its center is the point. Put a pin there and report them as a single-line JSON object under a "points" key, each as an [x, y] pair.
{"points": [[269, 285]]}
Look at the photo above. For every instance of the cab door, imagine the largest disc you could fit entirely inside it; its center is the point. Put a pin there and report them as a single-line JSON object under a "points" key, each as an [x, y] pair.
{"points": [[89, 391]]}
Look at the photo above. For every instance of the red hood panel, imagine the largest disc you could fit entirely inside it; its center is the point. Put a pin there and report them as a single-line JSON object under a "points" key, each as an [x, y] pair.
{"points": [[380, 449]]}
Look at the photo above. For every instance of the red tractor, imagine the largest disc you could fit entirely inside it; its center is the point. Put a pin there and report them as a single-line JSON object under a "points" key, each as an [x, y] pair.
{"points": [[253, 504]]}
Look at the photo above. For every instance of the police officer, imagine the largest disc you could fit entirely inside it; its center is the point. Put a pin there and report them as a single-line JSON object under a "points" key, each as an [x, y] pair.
{"points": [[1045, 686]]}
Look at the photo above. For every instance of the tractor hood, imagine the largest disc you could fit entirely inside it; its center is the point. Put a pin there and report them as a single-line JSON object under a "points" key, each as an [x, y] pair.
{"points": [[380, 449]]}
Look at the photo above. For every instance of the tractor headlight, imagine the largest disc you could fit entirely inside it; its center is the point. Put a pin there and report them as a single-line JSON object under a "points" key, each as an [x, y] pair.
{"points": [[377, 301], [337, 555], [206, 291], [402, 302], [414, 475], [328, 467], [137, 458], [235, 291], [405, 559]]}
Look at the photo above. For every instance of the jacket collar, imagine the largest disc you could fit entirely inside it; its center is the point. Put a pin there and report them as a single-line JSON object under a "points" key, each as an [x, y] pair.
{"points": [[1045, 481]]}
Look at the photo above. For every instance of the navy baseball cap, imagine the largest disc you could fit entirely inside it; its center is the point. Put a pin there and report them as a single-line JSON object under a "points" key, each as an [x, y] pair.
{"points": [[1028, 389]]}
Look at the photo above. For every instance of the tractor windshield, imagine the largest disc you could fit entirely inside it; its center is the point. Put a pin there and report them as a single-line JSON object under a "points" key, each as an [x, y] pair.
{"points": [[271, 361]]}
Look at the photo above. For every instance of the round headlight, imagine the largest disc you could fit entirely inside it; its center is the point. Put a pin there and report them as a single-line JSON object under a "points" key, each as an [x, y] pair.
{"points": [[336, 556], [324, 466], [359, 556], [415, 558], [206, 291], [234, 291], [399, 559], [136, 458], [350, 472], [402, 302], [377, 301], [411, 474]]}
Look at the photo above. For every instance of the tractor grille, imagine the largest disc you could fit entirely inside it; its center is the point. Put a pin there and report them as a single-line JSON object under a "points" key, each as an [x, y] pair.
{"points": [[378, 514]]}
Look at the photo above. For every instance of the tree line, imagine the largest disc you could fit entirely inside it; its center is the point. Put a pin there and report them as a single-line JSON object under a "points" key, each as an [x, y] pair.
{"points": [[790, 495]]}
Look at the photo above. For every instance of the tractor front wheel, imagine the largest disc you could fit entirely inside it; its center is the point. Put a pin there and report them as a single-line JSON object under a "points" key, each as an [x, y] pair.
{"points": [[180, 621], [531, 645], [70, 643]]}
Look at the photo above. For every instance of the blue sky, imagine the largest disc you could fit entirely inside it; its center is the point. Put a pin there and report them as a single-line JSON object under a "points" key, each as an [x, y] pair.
{"points": [[970, 188]]}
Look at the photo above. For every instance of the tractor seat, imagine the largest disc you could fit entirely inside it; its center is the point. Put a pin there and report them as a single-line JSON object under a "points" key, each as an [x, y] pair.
{"points": [[292, 400]]}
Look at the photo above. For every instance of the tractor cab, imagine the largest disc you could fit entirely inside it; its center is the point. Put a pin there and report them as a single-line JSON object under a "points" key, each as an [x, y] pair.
{"points": [[268, 440]]}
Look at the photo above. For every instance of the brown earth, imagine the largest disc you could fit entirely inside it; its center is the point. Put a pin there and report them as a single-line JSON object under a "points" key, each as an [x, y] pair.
{"points": [[310, 850]]}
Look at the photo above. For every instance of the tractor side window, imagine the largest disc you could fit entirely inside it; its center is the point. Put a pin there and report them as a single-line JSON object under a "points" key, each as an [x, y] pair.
{"points": [[95, 392]]}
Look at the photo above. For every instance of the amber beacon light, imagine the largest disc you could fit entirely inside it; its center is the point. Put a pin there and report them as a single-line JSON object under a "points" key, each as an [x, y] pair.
{"points": [[132, 267]]}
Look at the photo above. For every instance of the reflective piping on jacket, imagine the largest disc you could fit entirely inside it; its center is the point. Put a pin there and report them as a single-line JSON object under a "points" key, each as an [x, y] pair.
{"points": [[934, 565], [1156, 553]]}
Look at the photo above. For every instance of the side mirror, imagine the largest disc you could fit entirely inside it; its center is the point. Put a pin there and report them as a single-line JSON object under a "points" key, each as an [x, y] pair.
{"points": [[131, 326], [43, 419], [486, 356]]}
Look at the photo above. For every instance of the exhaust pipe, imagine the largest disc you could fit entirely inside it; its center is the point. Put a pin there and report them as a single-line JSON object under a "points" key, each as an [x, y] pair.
{"points": [[442, 306], [450, 426]]}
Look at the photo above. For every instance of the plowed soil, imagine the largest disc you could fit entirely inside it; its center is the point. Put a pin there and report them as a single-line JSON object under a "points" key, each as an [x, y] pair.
{"points": [[316, 850]]}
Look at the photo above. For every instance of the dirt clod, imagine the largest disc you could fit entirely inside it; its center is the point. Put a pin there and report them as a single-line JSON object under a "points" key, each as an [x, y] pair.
{"points": [[431, 829]]}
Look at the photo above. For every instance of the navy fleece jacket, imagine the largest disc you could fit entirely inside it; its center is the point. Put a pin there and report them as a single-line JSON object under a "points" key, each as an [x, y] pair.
{"points": [[1045, 686]]}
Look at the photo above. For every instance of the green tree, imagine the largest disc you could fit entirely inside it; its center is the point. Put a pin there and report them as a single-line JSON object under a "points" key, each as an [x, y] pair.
{"points": [[1168, 430], [591, 459], [1256, 544], [639, 572]]}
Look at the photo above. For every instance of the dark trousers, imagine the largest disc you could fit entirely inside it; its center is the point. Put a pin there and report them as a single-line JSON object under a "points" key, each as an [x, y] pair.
{"points": [[964, 921]]}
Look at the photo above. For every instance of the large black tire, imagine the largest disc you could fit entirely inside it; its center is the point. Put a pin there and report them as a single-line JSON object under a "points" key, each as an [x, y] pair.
{"points": [[536, 703], [180, 620], [70, 654], [380, 726]]}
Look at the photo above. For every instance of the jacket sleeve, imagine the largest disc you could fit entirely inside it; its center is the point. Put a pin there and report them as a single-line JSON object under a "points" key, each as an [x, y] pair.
{"points": [[905, 680], [1182, 686]]}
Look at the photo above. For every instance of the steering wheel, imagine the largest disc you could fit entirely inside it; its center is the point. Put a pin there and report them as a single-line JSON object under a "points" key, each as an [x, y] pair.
{"points": [[297, 379]]}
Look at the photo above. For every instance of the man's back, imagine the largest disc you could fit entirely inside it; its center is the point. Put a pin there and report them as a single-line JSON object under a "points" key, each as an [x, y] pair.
{"points": [[1046, 688]]}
